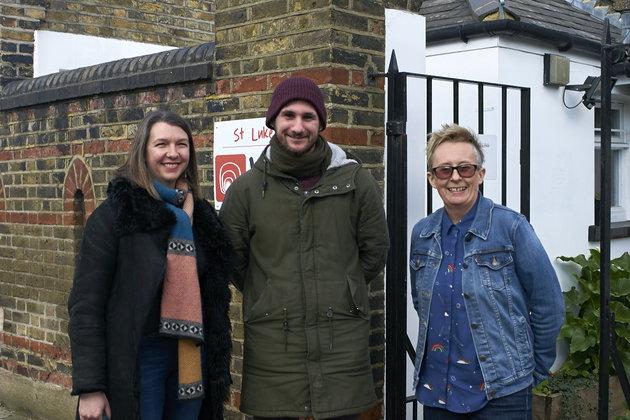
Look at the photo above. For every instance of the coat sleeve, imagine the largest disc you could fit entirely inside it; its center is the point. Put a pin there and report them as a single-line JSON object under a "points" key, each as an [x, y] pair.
{"points": [[234, 215], [87, 303], [544, 296], [372, 233]]}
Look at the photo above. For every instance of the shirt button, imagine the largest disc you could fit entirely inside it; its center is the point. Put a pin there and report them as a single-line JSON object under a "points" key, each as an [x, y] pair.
{"points": [[316, 191], [296, 188], [465, 265], [482, 358], [474, 326]]}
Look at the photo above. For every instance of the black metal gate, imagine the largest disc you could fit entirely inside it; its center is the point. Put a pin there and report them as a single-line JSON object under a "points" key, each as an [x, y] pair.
{"points": [[615, 61], [398, 344]]}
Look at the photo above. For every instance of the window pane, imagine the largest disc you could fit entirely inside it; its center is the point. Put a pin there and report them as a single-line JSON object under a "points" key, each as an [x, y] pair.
{"points": [[615, 120], [617, 134], [598, 118], [615, 158], [619, 142]]}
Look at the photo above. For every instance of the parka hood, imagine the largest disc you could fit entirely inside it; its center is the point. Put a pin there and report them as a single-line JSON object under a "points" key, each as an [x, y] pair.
{"points": [[339, 158]]}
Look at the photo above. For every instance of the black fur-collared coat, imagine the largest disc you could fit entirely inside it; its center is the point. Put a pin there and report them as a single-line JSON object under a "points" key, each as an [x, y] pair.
{"points": [[117, 279]]}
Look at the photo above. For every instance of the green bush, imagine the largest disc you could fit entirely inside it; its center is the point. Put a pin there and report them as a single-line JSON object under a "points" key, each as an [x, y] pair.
{"points": [[582, 304], [581, 332]]}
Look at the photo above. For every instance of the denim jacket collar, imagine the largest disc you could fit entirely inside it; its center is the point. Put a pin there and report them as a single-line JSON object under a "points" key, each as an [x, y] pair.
{"points": [[480, 226]]}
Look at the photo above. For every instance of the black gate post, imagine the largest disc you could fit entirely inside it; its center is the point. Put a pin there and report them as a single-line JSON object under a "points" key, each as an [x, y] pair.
{"points": [[396, 271], [606, 173], [525, 150]]}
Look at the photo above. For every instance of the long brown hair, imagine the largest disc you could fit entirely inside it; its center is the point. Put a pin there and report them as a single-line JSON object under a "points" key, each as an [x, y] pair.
{"points": [[135, 168]]}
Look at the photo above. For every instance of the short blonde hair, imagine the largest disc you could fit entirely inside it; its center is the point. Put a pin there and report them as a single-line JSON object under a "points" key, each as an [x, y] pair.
{"points": [[456, 134]]}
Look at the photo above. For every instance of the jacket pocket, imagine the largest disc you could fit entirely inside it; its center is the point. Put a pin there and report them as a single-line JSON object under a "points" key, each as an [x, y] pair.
{"points": [[495, 268], [262, 307], [417, 263], [358, 297], [524, 344], [342, 333]]}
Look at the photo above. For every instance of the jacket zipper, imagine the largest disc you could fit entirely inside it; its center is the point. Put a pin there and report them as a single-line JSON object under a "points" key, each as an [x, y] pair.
{"points": [[329, 315], [285, 328]]}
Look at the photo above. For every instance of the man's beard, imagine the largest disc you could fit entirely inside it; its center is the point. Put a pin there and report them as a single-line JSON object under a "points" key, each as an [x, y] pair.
{"points": [[296, 153]]}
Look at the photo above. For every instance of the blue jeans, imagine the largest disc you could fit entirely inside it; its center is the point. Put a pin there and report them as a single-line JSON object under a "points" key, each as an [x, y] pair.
{"points": [[158, 382], [517, 406]]}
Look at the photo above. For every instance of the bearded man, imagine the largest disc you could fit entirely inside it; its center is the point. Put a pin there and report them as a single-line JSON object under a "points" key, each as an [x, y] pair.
{"points": [[309, 230]]}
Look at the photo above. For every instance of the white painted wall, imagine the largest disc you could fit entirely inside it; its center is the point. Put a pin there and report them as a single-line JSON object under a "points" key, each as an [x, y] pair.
{"points": [[405, 33], [562, 159], [55, 51], [562, 140]]}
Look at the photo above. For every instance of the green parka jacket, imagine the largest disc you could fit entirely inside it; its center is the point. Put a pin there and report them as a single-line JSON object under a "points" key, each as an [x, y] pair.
{"points": [[304, 260]]}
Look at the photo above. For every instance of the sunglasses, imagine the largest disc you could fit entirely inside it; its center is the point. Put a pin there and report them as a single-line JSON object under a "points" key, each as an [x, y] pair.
{"points": [[465, 170]]}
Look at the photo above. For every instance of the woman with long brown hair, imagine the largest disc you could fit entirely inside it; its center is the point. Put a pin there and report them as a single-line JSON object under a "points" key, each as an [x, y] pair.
{"points": [[149, 327]]}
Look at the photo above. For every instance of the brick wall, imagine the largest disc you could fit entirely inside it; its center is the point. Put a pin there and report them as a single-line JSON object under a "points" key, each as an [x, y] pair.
{"points": [[177, 23], [56, 159], [51, 153], [58, 150], [337, 43]]}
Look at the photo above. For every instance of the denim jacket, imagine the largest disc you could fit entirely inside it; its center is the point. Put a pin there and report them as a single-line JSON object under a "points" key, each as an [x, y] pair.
{"points": [[512, 295]]}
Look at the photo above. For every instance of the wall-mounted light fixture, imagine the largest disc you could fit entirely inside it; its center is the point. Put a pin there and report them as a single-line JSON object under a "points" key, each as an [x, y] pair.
{"points": [[592, 91], [556, 70]]}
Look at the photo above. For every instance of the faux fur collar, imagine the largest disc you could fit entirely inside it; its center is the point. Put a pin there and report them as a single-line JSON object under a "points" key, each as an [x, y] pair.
{"points": [[135, 210]]}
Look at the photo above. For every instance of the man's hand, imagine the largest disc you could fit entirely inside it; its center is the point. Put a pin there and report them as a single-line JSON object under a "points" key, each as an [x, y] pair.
{"points": [[92, 406]]}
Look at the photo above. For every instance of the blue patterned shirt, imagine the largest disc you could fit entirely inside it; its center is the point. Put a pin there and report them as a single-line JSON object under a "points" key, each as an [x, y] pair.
{"points": [[450, 375]]}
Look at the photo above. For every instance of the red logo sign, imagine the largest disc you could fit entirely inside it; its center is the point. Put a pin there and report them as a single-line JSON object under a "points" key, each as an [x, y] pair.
{"points": [[226, 169]]}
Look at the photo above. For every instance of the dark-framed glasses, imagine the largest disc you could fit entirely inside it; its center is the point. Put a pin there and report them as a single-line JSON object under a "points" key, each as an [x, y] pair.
{"points": [[465, 170]]}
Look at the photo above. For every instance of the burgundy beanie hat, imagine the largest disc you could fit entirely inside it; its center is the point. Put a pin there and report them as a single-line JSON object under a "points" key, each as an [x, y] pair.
{"points": [[296, 89]]}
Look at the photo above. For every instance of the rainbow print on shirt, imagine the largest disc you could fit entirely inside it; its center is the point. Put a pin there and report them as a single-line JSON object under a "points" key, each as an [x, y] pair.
{"points": [[437, 347]]}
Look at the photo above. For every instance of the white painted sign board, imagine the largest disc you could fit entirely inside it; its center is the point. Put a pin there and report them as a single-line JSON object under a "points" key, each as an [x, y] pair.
{"points": [[235, 142], [490, 151]]}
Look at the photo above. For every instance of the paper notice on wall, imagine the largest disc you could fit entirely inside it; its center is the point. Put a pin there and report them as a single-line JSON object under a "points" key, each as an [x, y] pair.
{"points": [[235, 142], [490, 151]]}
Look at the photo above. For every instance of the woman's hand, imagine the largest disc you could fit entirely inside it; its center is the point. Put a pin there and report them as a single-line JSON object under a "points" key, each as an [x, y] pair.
{"points": [[92, 406]]}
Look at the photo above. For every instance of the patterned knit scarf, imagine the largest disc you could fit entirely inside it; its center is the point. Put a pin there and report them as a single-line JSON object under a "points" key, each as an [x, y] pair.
{"points": [[181, 315]]}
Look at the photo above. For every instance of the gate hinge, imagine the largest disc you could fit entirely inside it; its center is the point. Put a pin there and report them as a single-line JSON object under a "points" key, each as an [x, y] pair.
{"points": [[396, 128]]}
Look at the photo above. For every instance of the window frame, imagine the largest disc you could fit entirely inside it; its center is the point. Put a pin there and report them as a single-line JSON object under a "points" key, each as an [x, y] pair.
{"points": [[619, 146]]}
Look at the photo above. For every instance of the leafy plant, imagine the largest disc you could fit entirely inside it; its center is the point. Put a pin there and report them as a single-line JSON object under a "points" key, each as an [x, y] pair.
{"points": [[570, 389], [582, 304], [625, 416], [581, 333]]}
